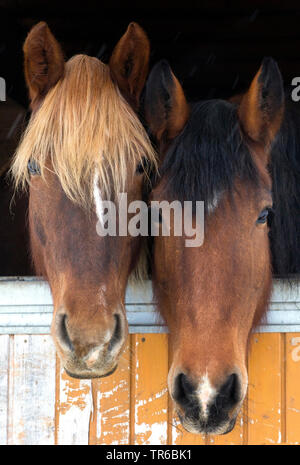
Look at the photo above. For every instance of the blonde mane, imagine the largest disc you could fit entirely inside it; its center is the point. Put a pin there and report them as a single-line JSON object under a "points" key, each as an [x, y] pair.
{"points": [[83, 126]]}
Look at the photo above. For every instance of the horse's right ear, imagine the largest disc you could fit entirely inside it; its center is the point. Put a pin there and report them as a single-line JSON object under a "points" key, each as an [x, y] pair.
{"points": [[43, 61], [166, 108]]}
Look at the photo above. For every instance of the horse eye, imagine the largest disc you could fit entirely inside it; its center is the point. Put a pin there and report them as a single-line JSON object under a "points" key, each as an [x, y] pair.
{"points": [[33, 168], [264, 215], [139, 168], [143, 166]]}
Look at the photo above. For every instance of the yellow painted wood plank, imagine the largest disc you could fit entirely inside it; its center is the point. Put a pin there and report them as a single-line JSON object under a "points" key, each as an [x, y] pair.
{"points": [[264, 391], [149, 395], [74, 406], [293, 388], [110, 422]]}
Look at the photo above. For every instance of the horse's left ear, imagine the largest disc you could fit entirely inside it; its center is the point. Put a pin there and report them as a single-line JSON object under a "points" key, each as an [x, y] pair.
{"points": [[129, 63], [262, 107], [166, 108]]}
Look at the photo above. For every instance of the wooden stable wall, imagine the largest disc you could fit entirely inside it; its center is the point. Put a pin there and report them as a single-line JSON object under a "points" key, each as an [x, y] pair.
{"points": [[40, 404]]}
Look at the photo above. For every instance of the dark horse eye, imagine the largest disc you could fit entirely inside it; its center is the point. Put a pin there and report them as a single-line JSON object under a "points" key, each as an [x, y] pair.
{"points": [[143, 166], [33, 168], [265, 215]]}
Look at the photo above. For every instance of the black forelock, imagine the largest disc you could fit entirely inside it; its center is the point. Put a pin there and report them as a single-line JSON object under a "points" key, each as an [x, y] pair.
{"points": [[209, 155]]}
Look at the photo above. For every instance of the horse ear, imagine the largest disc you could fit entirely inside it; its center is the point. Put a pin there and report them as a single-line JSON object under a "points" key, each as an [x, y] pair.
{"points": [[44, 62], [129, 63], [262, 107], [166, 108]]}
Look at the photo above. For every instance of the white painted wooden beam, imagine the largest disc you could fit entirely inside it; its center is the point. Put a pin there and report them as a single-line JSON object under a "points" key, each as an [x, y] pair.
{"points": [[26, 307]]}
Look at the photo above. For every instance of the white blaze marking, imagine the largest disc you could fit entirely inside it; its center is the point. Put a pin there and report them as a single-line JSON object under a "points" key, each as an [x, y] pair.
{"points": [[98, 200], [102, 295], [206, 393], [212, 205], [93, 357], [94, 354]]}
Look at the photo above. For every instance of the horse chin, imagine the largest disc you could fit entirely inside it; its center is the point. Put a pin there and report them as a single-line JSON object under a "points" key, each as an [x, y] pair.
{"points": [[80, 370], [88, 375], [203, 427], [230, 426]]}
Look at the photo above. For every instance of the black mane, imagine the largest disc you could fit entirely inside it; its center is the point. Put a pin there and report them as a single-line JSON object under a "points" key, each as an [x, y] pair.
{"points": [[285, 171]]}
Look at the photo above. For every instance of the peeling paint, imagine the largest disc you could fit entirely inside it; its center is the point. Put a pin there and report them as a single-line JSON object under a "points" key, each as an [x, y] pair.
{"points": [[74, 393], [154, 434], [29, 360]]}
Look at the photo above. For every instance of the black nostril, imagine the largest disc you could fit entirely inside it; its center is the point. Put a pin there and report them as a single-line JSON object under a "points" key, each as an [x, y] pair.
{"points": [[117, 335], [183, 390], [62, 332], [229, 394]]}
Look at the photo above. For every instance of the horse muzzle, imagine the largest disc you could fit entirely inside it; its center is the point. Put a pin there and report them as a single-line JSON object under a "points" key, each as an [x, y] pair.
{"points": [[89, 354]]}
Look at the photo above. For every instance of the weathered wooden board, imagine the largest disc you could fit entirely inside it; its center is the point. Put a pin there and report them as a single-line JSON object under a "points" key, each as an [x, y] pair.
{"points": [[292, 388], [110, 422], [40, 404], [4, 371], [74, 406], [264, 392], [149, 406], [31, 390]]}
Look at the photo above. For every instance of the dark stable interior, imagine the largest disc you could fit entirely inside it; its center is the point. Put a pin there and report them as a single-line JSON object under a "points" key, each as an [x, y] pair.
{"points": [[214, 47]]}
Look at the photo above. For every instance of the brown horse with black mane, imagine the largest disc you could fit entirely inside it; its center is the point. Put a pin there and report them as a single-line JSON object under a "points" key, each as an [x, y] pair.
{"points": [[84, 143], [212, 296]]}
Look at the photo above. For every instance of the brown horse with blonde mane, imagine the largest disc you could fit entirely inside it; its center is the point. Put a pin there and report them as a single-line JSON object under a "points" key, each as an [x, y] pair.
{"points": [[84, 143], [212, 296]]}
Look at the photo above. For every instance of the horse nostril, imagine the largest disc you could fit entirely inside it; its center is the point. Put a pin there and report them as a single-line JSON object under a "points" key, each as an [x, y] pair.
{"points": [[62, 332], [229, 394], [184, 390], [117, 335]]}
